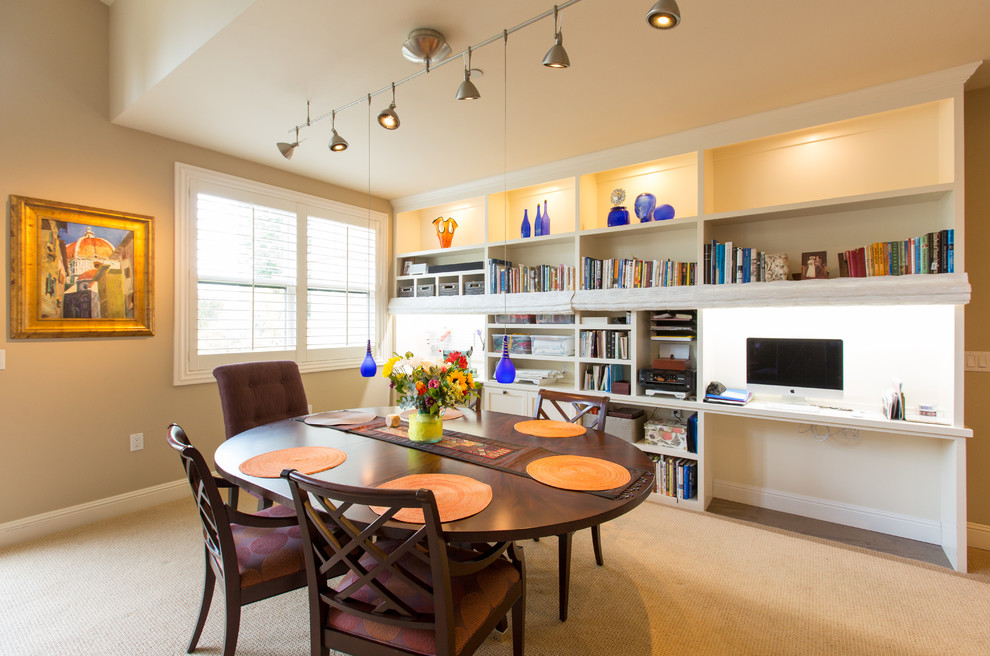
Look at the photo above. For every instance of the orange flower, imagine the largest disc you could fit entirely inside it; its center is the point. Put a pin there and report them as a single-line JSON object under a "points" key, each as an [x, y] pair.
{"points": [[420, 387]]}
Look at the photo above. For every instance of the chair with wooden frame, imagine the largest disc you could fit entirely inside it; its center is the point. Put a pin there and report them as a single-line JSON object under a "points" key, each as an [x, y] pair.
{"points": [[254, 556], [572, 408], [257, 393], [406, 591]]}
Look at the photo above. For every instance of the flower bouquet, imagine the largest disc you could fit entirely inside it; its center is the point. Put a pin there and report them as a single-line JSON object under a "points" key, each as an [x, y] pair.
{"points": [[430, 387]]}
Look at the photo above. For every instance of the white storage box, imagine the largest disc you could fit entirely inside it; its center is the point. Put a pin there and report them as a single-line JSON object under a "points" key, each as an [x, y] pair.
{"points": [[553, 344]]}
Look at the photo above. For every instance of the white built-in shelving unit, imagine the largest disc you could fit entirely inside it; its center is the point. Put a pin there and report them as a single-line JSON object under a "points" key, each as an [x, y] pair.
{"points": [[880, 164]]}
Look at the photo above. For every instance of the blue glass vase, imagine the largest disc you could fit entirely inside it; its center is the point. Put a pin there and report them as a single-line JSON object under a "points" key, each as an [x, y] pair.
{"points": [[525, 224], [618, 216], [538, 224], [546, 219], [663, 213], [645, 204]]}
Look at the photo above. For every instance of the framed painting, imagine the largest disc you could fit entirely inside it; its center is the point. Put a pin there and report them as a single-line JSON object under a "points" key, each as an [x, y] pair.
{"points": [[79, 271]]}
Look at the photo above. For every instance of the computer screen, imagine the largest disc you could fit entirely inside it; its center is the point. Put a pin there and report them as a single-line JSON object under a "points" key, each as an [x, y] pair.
{"points": [[802, 365]]}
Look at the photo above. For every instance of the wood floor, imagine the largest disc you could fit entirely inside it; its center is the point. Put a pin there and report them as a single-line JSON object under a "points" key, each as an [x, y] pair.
{"points": [[923, 551]]}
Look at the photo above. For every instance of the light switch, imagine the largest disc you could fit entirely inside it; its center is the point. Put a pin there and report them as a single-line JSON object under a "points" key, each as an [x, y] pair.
{"points": [[3, 359], [978, 361]]}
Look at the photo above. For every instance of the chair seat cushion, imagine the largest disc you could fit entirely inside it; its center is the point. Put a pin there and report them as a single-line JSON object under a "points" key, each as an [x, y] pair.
{"points": [[474, 598], [264, 554]]}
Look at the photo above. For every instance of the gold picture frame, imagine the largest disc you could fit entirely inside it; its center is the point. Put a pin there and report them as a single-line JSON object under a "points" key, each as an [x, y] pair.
{"points": [[79, 271]]}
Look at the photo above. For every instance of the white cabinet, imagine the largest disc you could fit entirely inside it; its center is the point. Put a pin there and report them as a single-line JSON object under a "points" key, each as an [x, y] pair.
{"points": [[512, 401]]}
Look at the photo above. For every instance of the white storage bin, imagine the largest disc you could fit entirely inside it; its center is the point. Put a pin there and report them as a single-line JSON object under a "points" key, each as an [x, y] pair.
{"points": [[553, 344]]}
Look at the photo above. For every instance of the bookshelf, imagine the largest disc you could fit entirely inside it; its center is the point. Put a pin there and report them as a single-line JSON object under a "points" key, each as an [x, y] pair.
{"points": [[879, 165]]}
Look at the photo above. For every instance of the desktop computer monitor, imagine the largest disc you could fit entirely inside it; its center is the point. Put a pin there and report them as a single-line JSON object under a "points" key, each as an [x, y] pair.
{"points": [[795, 368]]}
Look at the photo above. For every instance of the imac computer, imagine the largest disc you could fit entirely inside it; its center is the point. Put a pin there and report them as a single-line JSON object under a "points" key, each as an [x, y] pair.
{"points": [[797, 369]]}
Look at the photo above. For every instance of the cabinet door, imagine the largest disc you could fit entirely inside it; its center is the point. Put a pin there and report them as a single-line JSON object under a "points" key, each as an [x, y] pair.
{"points": [[512, 401]]}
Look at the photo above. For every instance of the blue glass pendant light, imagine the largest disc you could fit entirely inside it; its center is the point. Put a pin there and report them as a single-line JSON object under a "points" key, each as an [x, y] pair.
{"points": [[368, 367], [505, 371]]}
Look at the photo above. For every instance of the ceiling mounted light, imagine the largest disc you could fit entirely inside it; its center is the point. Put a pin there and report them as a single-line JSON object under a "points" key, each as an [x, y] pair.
{"points": [[467, 90], [388, 119], [664, 15], [556, 57], [287, 148], [337, 142], [426, 46]]}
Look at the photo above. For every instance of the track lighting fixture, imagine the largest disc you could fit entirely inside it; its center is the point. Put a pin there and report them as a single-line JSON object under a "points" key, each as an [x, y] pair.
{"points": [[287, 148], [337, 142], [556, 57], [664, 15], [467, 90], [388, 119], [428, 46]]}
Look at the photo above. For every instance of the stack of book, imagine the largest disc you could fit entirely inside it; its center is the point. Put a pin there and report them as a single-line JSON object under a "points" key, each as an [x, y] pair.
{"points": [[676, 477], [730, 396], [727, 263], [632, 273], [929, 253], [598, 377], [507, 279], [608, 344]]}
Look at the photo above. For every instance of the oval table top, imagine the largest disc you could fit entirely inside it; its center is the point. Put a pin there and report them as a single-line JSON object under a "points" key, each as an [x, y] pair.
{"points": [[521, 507]]}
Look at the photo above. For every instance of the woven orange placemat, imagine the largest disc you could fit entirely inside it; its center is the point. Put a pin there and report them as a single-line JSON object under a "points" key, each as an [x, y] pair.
{"points": [[550, 428], [457, 496], [449, 413], [578, 473], [305, 459]]}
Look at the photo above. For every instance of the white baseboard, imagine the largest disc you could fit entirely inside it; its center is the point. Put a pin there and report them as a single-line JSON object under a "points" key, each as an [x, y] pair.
{"points": [[978, 535], [44, 524], [871, 519]]}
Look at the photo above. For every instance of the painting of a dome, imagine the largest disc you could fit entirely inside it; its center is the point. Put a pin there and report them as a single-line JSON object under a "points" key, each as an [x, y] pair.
{"points": [[90, 247]]}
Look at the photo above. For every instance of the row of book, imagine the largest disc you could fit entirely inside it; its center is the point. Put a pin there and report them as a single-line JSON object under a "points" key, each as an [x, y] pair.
{"points": [[503, 278], [611, 344], [726, 264], [598, 377], [631, 273], [930, 253], [676, 477]]}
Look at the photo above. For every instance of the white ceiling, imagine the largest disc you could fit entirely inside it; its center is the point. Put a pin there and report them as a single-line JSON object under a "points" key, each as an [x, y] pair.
{"points": [[244, 88]]}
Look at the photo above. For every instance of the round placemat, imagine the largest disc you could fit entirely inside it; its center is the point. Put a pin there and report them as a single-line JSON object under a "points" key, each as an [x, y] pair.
{"points": [[578, 473], [448, 413], [457, 496], [339, 418], [550, 428], [305, 459]]}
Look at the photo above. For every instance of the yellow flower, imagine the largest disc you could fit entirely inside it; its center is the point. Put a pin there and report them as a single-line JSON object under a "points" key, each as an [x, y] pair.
{"points": [[389, 364], [458, 378]]}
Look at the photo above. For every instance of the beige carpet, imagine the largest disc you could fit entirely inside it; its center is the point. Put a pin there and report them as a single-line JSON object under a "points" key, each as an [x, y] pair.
{"points": [[674, 582]]}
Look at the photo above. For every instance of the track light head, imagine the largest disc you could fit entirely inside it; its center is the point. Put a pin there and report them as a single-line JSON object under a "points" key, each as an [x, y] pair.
{"points": [[664, 15], [287, 148], [337, 142], [467, 90], [556, 56], [388, 118]]}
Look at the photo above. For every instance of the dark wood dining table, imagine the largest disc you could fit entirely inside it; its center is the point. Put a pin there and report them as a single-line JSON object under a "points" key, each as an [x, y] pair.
{"points": [[521, 507]]}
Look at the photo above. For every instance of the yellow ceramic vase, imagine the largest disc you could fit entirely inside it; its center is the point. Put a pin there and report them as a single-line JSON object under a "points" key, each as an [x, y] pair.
{"points": [[424, 427]]}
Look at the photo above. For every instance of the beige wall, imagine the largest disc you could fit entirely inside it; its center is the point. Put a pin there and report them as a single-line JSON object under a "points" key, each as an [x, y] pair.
{"points": [[67, 406], [978, 310]]}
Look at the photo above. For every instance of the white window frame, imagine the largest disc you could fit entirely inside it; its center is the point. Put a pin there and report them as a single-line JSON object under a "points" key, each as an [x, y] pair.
{"points": [[190, 367]]}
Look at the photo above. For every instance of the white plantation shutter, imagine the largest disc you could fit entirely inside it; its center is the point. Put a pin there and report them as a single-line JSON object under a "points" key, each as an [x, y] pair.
{"points": [[246, 265], [340, 277], [263, 273]]}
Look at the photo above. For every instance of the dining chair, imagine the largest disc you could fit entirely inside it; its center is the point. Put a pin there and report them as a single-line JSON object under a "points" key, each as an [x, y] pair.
{"points": [[257, 393], [406, 590], [571, 407], [254, 556]]}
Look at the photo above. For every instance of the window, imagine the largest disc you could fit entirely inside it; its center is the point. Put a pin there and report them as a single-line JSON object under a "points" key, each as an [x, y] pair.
{"points": [[264, 273]]}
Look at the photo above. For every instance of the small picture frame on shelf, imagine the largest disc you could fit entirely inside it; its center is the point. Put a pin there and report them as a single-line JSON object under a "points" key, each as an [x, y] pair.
{"points": [[407, 266], [814, 265]]}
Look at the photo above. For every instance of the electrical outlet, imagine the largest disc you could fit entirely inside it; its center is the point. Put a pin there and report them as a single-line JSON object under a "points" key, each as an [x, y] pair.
{"points": [[137, 441], [849, 433]]}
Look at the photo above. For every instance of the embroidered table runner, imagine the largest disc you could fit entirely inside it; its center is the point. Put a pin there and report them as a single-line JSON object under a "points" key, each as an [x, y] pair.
{"points": [[487, 452]]}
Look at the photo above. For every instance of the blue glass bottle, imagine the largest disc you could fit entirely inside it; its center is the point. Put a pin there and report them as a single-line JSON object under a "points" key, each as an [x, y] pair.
{"points": [[546, 219], [525, 224], [538, 223]]}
